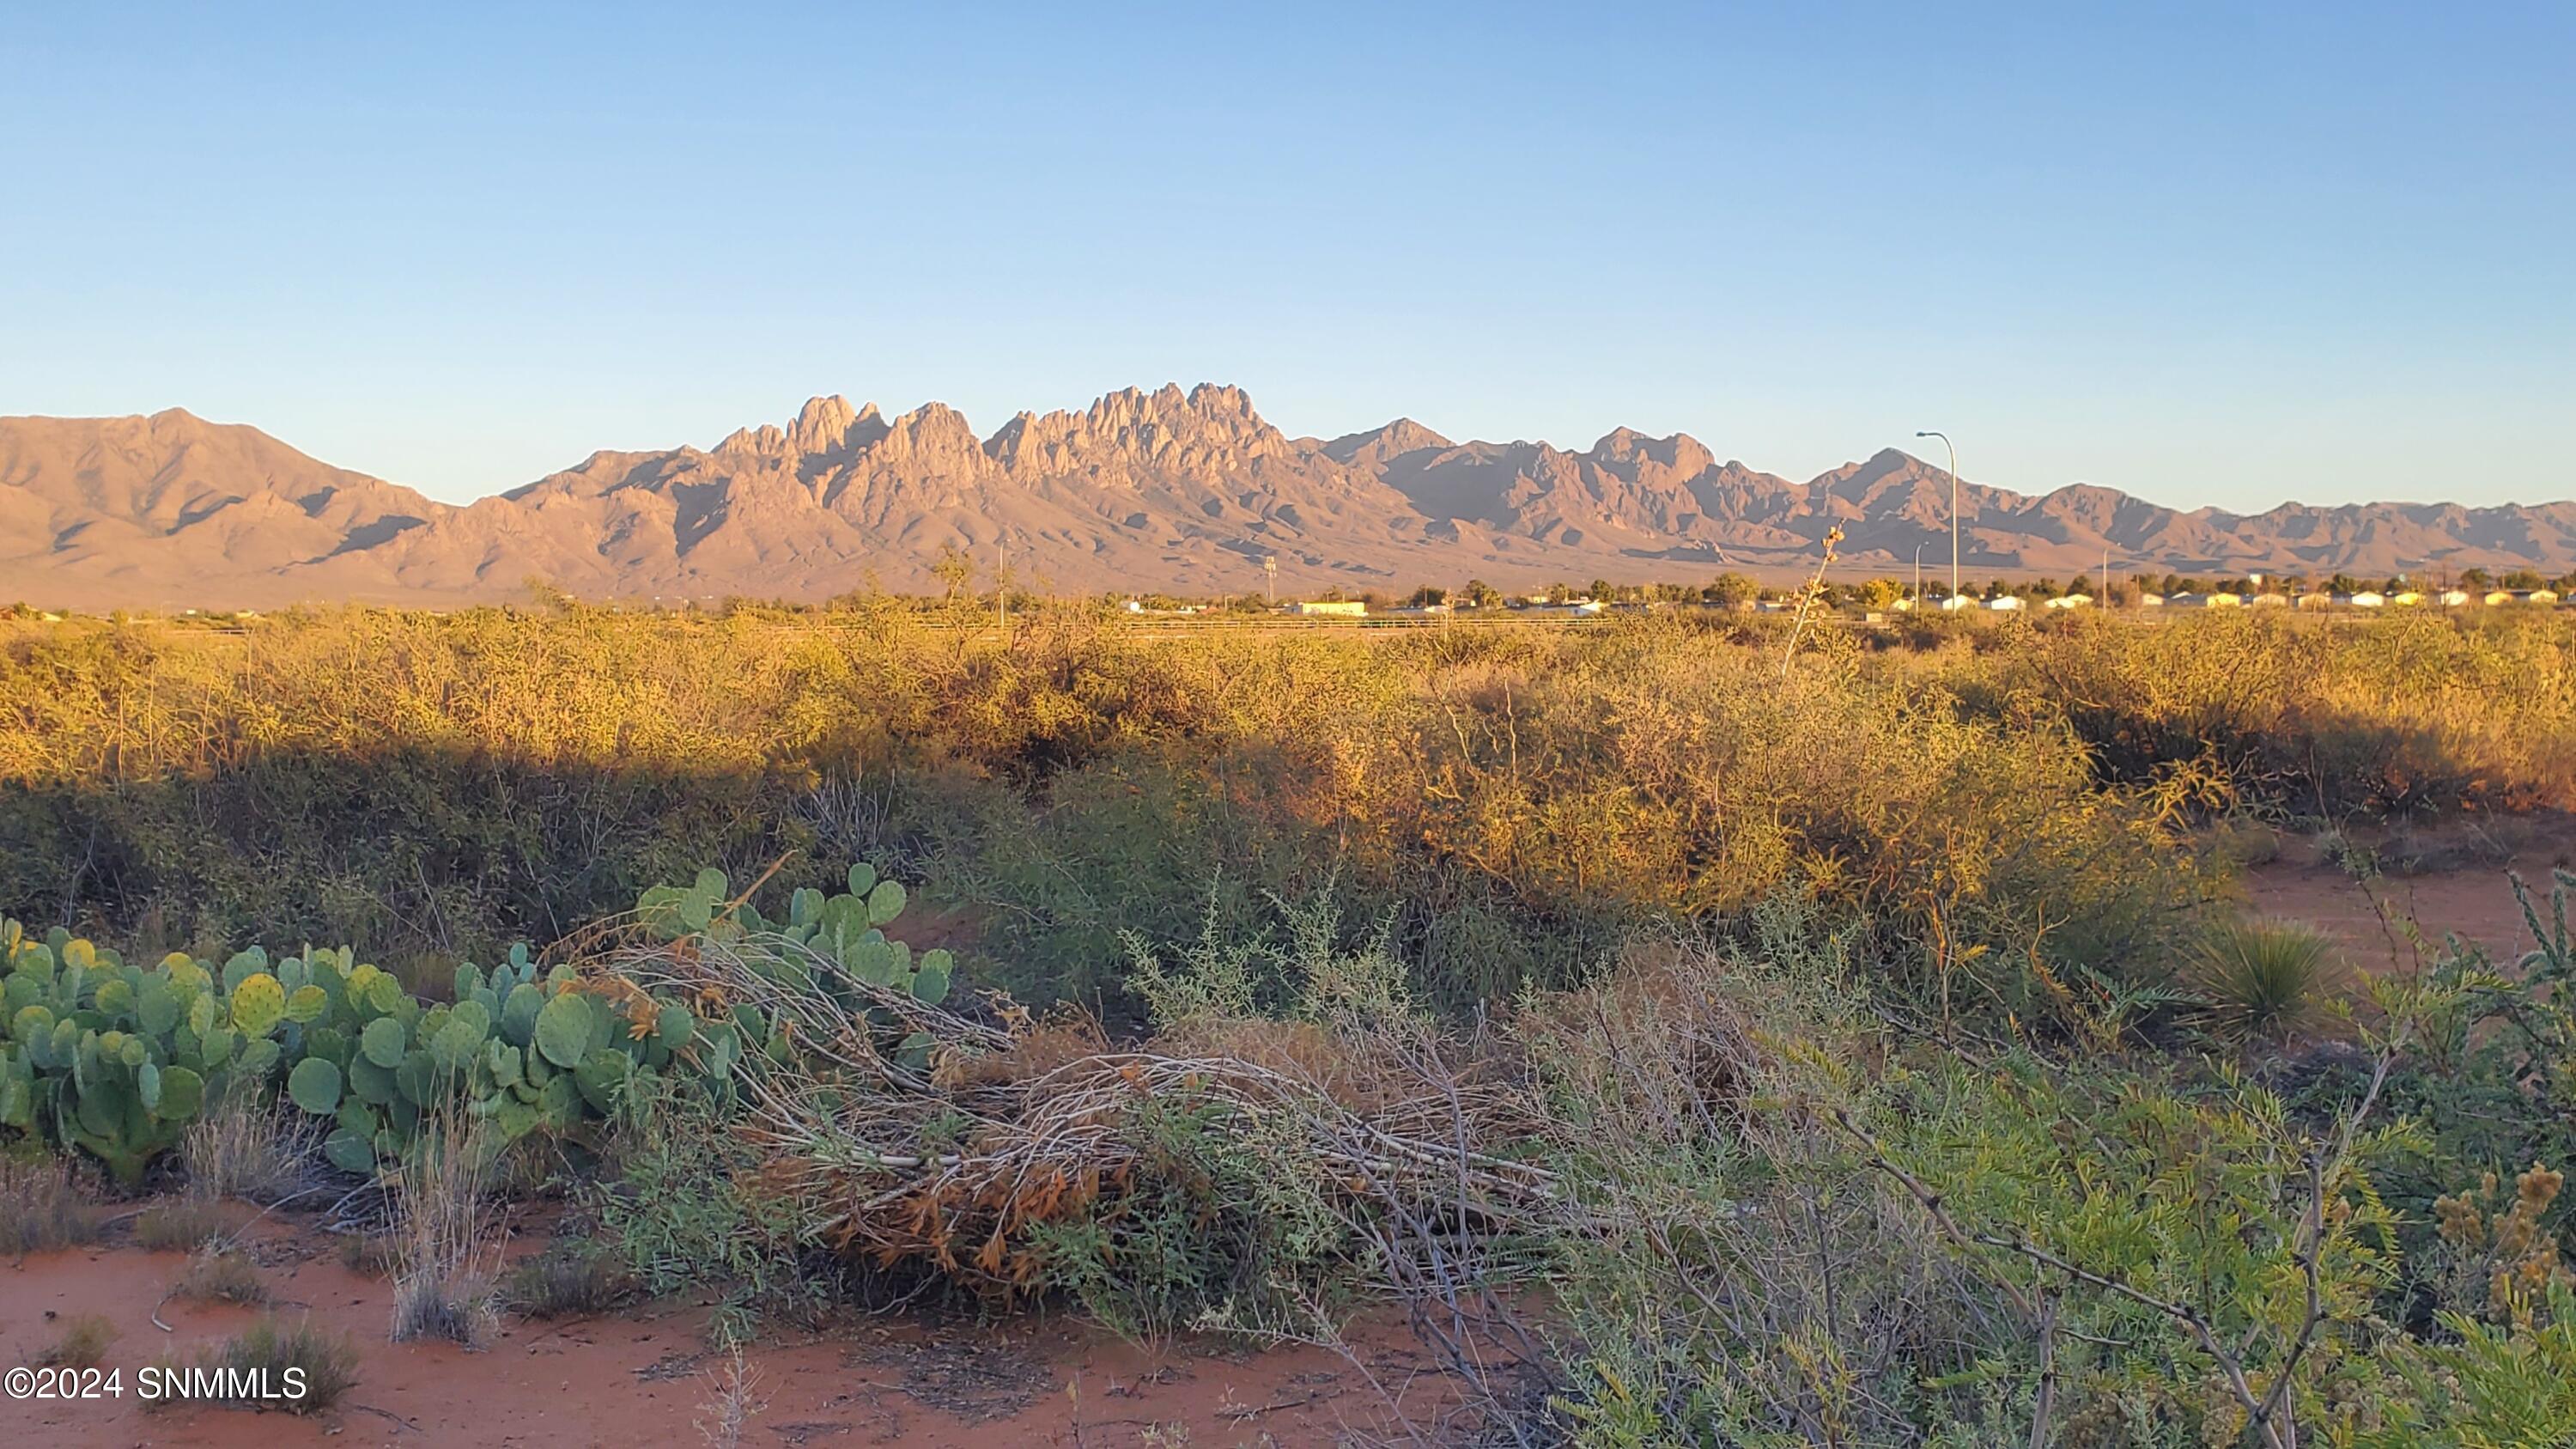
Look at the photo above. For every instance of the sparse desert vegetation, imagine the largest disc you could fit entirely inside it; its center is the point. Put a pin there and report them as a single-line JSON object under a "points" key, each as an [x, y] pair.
{"points": [[1695, 1042]]}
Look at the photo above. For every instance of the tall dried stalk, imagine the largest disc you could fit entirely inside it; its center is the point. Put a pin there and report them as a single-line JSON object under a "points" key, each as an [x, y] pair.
{"points": [[447, 1255]]}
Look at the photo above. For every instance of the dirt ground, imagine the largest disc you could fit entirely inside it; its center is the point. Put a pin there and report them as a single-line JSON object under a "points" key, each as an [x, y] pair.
{"points": [[644, 1377], [2430, 883]]}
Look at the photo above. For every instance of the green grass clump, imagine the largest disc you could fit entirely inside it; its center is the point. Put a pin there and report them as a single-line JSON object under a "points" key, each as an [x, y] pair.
{"points": [[2265, 980]]}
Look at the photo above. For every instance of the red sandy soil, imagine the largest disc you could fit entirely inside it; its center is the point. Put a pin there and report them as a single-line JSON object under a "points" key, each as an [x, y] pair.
{"points": [[642, 1376], [2450, 881]]}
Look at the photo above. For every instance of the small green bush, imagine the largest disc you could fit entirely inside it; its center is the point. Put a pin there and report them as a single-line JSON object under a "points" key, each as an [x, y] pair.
{"points": [[2264, 980]]}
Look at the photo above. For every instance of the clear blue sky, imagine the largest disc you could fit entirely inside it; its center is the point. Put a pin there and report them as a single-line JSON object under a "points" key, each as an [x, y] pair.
{"points": [[2214, 253]]}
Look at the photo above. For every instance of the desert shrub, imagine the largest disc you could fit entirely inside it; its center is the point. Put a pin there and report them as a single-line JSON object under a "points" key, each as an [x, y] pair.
{"points": [[1749, 1278], [2488, 1387], [81, 1344], [41, 1206], [180, 1224], [2264, 979], [272, 1357], [2416, 714], [2502, 1260], [685, 1208], [1803, 1225], [219, 1274], [2491, 1090], [572, 1277], [1514, 800]]}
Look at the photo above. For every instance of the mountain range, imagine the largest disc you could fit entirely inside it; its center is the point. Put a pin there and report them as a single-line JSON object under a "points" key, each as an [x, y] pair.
{"points": [[1162, 491]]}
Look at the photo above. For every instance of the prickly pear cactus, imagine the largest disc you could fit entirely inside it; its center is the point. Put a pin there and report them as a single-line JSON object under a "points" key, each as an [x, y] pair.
{"points": [[116, 1059]]}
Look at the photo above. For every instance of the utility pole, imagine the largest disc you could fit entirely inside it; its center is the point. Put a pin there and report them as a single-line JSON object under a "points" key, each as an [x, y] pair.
{"points": [[1270, 578], [1918, 576], [1954, 503], [1001, 593], [2106, 578]]}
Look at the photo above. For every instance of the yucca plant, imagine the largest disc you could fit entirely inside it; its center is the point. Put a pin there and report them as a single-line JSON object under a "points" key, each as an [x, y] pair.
{"points": [[2264, 980]]}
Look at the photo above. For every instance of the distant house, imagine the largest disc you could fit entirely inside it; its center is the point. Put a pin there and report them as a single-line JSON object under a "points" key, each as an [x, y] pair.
{"points": [[2068, 601], [1904, 606], [1330, 608], [1587, 608], [2366, 599], [2313, 599], [1952, 603], [2004, 603], [2407, 598], [2269, 601], [2454, 598], [2151, 601], [2204, 601], [2497, 596], [2535, 596]]}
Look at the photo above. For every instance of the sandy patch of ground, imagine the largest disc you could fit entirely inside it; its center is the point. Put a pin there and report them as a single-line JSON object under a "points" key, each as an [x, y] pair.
{"points": [[642, 1377], [2430, 884]]}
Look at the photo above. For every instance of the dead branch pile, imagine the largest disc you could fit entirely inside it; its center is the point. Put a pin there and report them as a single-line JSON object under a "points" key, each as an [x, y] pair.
{"points": [[946, 1154]]}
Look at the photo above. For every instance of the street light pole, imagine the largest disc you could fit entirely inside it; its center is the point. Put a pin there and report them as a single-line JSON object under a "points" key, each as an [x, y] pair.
{"points": [[1954, 505], [1918, 576]]}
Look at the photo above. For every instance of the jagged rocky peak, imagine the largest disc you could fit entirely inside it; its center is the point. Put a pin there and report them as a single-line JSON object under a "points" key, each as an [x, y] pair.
{"points": [[1210, 426], [831, 425], [932, 433], [824, 427], [1681, 453]]}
